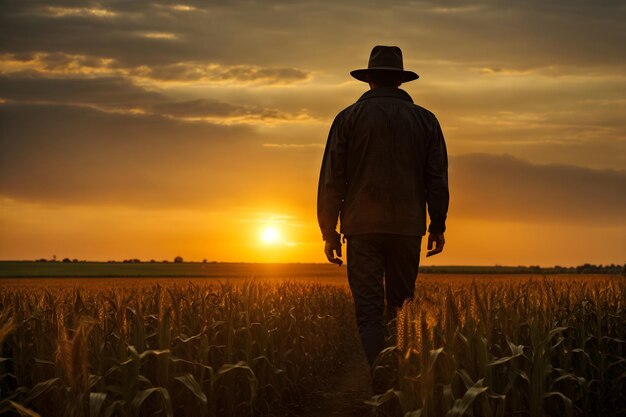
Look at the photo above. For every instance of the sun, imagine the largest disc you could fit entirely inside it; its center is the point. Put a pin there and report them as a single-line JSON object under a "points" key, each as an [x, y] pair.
{"points": [[269, 235]]}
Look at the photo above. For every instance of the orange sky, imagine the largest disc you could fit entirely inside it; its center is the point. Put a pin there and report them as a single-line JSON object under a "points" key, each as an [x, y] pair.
{"points": [[154, 129]]}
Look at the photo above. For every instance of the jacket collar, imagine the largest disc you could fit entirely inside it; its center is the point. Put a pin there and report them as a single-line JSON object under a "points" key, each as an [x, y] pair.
{"points": [[386, 92]]}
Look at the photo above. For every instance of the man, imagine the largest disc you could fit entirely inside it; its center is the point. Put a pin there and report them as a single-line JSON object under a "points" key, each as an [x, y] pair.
{"points": [[384, 162]]}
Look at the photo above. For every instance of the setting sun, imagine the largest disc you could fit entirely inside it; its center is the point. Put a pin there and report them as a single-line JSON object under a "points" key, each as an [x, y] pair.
{"points": [[269, 235]]}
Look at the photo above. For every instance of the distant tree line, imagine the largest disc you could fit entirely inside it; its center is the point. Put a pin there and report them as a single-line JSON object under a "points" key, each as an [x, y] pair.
{"points": [[177, 259], [586, 268], [532, 269], [64, 260]]}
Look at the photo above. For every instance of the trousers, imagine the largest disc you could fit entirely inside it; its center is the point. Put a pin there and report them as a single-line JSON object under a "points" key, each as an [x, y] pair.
{"points": [[381, 267]]}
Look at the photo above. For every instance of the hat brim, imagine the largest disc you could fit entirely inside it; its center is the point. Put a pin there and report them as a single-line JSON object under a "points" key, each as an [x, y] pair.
{"points": [[363, 74]]}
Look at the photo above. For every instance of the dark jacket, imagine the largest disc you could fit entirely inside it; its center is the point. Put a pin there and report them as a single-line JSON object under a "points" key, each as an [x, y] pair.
{"points": [[385, 160]]}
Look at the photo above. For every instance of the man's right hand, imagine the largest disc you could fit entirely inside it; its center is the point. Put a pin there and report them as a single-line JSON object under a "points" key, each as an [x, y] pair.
{"points": [[438, 240], [330, 247]]}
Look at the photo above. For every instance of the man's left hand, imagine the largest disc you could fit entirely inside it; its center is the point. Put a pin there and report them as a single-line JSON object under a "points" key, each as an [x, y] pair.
{"points": [[438, 240], [330, 248]]}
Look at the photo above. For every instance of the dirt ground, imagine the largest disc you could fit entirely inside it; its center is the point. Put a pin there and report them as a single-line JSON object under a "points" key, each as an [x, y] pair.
{"points": [[346, 391]]}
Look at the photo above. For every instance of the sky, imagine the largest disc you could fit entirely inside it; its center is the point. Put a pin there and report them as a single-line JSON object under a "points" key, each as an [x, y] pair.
{"points": [[155, 129]]}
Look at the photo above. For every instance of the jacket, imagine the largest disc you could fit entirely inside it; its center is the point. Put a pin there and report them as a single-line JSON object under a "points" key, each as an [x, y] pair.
{"points": [[384, 164]]}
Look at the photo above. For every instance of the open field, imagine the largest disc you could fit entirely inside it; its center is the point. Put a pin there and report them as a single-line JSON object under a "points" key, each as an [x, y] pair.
{"points": [[166, 270], [328, 276], [499, 345], [32, 269]]}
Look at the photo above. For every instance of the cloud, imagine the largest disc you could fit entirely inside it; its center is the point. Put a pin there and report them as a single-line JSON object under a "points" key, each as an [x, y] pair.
{"points": [[107, 92], [117, 94], [505, 188], [569, 119], [222, 74], [159, 35], [61, 64], [216, 111], [484, 34], [75, 155], [64, 155], [178, 7], [55, 11]]}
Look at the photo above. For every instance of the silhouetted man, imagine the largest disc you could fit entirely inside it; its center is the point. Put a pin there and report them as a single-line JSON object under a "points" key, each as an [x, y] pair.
{"points": [[385, 162]]}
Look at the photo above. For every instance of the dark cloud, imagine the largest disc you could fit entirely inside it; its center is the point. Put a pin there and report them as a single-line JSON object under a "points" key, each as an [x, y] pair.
{"points": [[121, 94], [502, 187], [112, 92], [491, 34], [75, 155], [32, 27]]}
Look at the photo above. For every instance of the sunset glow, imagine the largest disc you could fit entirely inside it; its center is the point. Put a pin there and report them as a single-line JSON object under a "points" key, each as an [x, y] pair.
{"points": [[150, 130]]}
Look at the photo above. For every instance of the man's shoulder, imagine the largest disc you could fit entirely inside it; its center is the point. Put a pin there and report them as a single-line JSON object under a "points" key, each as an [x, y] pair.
{"points": [[422, 109], [355, 108], [409, 104], [424, 112], [345, 113], [350, 109]]}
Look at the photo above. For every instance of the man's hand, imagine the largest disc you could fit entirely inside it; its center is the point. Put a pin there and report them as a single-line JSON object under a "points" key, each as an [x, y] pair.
{"points": [[439, 241], [331, 246]]}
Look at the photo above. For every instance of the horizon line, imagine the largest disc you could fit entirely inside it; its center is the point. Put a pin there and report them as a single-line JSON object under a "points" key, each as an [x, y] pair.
{"points": [[167, 261]]}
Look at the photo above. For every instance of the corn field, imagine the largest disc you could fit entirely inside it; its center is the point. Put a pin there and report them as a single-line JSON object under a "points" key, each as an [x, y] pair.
{"points": [[174, 350], [461, 347], [535, 348]]}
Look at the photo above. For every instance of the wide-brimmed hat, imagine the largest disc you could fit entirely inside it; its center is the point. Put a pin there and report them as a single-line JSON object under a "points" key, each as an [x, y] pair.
{"points": [[385, 58]]}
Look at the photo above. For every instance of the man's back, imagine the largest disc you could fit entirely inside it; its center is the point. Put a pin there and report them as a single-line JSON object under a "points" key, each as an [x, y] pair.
{"points": [[390, 152]]}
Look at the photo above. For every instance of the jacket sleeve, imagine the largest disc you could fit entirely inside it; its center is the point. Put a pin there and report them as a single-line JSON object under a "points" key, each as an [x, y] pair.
{"points": [[333, 179], [437, 193]]}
